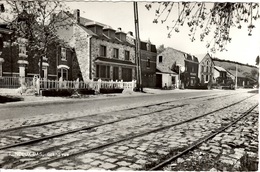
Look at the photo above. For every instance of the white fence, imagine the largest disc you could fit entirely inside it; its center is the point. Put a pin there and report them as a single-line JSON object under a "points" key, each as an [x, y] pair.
{"points": [[15, 82], [44, 84], [94, 85]]}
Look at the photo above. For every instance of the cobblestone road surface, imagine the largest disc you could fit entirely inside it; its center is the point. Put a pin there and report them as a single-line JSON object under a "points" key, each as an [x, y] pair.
{"points": [[132, 154]]}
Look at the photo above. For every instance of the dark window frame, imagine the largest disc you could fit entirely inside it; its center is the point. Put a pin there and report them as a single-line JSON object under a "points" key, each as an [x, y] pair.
{"points": [[127, 55], [103, 51], [116, 53]]}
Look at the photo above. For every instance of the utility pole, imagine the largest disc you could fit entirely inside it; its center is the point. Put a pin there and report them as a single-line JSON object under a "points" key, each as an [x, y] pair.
{"points": [[137, 48], [236, 78]]}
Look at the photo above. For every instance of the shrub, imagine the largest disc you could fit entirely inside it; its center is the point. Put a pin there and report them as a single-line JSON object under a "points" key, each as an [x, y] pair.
{"points": [[57, 93], [111, 90]]}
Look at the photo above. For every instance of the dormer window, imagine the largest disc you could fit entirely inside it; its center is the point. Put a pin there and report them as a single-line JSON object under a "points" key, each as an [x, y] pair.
{"points": [[63, 54], [148, 47]]}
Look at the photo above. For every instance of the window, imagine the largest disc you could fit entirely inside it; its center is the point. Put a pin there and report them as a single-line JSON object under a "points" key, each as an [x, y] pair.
{"points": [[115, 73], [63, 54], [160, 59], [127, 55], [62, 72], [202, 68], [207, 77], [148, 47], [103, 51], [115, 53], [103, 71], [148, 63]]}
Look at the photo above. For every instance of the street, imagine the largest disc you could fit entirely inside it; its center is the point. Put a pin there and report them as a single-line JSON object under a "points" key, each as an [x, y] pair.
{"points": [[129, 133]]}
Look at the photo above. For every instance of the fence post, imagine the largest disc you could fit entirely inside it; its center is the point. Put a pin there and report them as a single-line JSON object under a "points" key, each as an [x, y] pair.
{"points": [[122, 84], [99, 85], [38, 86]]}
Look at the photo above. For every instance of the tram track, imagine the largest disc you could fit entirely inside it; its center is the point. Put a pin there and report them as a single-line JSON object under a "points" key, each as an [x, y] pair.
{"points": [[132, 137], [97, 124], [79, 117], [196, 144]]}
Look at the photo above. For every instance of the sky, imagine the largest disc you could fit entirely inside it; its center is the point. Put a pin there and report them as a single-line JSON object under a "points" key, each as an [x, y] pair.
{"points": [[243, 48]]}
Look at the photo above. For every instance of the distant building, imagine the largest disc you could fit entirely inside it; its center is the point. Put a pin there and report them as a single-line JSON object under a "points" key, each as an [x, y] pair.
{"points": [[148, 61], [170, 64], [206, 69]]}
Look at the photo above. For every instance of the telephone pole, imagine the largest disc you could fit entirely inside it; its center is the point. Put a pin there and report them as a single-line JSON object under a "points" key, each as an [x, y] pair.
{"points": [[137, 48]]}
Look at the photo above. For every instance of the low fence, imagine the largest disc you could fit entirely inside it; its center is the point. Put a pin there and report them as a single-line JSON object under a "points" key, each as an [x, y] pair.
{"points": [[15, 82], [94, 85], [44, 84]]}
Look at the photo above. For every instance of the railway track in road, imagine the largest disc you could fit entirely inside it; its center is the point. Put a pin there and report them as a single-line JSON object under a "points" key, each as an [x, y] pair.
{"points": [[30, 139], [139, 134], [164, 163], [213, 96]]}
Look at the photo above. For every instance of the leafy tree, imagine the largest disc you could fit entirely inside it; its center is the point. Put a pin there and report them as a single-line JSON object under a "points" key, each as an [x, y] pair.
{"points": [[35, 21], [254, 73], [216, 18], [257, 60], [160, 49]]}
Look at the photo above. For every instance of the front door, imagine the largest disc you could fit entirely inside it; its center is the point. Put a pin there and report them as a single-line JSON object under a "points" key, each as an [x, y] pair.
{"points": [[159, 80]]}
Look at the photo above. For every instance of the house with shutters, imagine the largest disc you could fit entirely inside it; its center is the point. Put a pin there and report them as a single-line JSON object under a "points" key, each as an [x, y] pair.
{"points": [[102, 52], [17, 61]]}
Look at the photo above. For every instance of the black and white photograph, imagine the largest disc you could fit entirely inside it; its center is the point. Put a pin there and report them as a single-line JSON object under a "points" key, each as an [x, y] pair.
{"points": [[129, 85]]}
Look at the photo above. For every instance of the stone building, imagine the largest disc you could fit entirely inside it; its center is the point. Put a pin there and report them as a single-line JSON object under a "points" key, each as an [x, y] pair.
{"points": [[102, 52], [184, 67]]}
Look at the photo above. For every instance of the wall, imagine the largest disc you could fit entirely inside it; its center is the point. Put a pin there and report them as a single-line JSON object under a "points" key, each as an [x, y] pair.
{"points": [[95, 52], [148, 73], [204, 73]]}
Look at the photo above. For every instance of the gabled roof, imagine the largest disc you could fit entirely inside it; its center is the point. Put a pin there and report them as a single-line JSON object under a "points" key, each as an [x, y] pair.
{"points": [[220, 69]]}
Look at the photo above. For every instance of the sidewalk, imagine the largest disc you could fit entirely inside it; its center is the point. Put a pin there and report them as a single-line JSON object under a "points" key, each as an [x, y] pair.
{"points": [[42, 100]]}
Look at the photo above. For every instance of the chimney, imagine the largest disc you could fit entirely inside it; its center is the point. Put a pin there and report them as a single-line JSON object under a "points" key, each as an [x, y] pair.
{"points": [[77, 15], [130, 33]]}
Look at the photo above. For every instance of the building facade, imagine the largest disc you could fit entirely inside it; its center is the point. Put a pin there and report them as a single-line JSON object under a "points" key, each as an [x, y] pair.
{"points": [[17, 61], [190, 76], [148, 61], [184, 66], [206, 70], [102, 52]]}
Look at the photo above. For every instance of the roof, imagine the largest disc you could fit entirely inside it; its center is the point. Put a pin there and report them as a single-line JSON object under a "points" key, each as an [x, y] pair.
{"points": [[220, 68], [165, 69]]}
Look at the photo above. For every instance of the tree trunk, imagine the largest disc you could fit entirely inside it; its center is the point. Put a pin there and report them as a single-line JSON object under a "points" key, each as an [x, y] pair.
{"points": [[40, 68]]}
